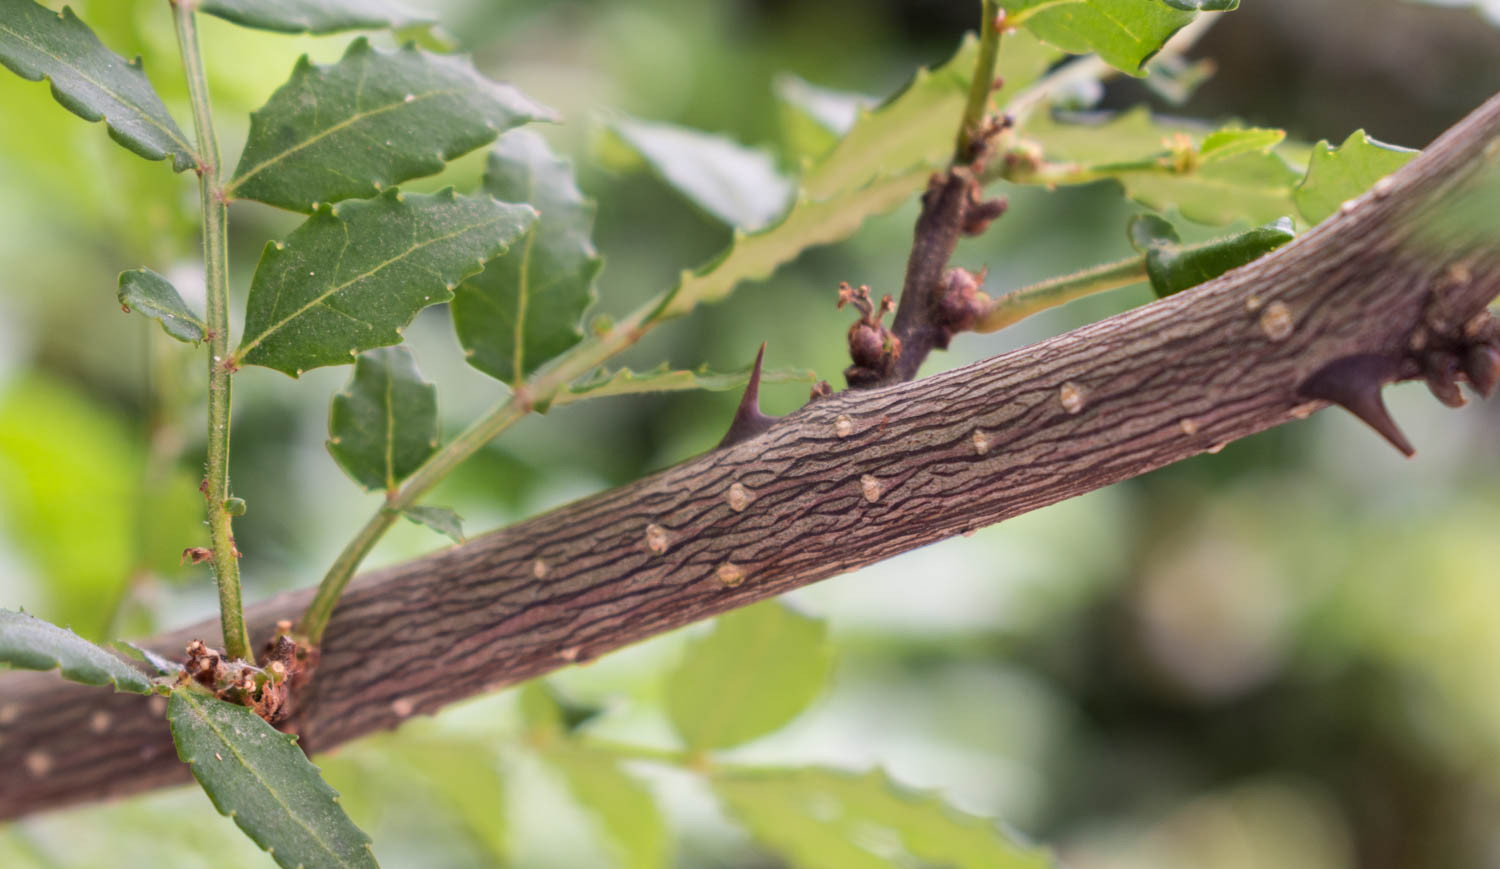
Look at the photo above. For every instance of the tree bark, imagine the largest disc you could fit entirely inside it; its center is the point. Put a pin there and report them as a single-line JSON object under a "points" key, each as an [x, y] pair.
{"points": [[844, 482]]}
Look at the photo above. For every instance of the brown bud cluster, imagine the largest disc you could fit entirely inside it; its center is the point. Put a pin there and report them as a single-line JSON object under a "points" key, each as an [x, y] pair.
{"points": [[872, 347]]}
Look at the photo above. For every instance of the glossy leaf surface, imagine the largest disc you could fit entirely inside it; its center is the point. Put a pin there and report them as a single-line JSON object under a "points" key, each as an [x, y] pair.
{"points": [[258, 776], [89, 80], [383, 424], [148, 293], [370, 122], [353, 275], [525, 308]]}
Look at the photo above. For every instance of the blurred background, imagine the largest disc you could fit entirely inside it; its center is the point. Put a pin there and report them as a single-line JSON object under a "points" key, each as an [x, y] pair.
{"points": [[1281, 655]]}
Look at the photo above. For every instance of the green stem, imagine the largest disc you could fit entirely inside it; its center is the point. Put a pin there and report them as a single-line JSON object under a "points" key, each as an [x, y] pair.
{"points": [[216, 280], [983, 82], [551, 379], [1019, 304]]}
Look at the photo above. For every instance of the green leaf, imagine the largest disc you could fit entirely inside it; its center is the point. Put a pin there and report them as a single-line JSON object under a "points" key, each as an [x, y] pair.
{"points": [[354, 274], [735, 184], [440, 519], [89, 80], [916, 126], [1163, 165], [314, 16], [1124, 33], [817, 818], [153, 295], [626, 811], [546, 710], [1336, 175], [464, 776], [857, 179], [384, 424], [1174, 267], [28, 643], [524, 309], [623, 381], [1148, 231], [755, 671], [813, 118], [369, 122], [1233, 141], [258, 776], [162, 665]]}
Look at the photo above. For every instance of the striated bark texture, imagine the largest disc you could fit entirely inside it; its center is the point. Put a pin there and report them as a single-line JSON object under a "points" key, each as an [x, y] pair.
{"points": [[844, 482]]}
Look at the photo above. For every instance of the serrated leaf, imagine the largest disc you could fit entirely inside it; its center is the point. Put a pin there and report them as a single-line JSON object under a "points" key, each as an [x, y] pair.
{"points": [[818, 817], [162, 665], [314, 16], [916, 126], [631, 822], [89, 80], [1161, 164], [353, 275], [525, 308], [854, 181], [1124, 33], [258, 776], [440, 519], [154, 296], [28, 643], [369, 122], [1335, 175], [623, 381], [1174, 267], [737, 185], [813, 118], [383, 425], [754, 672]]}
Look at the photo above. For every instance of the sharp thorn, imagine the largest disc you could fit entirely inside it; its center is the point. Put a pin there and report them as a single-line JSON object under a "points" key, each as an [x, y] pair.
{"points": [[748, 420], [1354, 383]]}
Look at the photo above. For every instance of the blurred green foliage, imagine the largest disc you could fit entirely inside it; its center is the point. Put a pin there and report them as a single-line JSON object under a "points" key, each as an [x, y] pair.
{"points": [[1277, 655]]}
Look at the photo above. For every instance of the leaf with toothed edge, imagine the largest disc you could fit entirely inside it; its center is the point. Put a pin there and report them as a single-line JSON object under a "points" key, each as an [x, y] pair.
{"points": [[315, 16], [354, 274], [735, 184], [154, 296], [524, 309], [384, 424], [855, 181], [623, 381], [1211, 176], [1336, 175], [752, 674], [258, 776], [824, 817], [29, 643], [368, 122], [440, 519], [89, 80], [814, 118], [1124, 33]]}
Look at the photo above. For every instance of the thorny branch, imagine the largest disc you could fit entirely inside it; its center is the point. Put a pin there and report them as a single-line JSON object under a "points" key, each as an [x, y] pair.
{"points": [[1393, 282]]}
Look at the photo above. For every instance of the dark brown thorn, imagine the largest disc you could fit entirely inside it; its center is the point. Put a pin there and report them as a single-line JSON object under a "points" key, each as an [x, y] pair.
{"points": [[1354, 383], [748, 420], [1441, 370], [1482, 364]]}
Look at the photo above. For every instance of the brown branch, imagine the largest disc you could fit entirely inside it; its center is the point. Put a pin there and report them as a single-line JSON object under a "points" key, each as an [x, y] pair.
{"points": [[844, 482]]}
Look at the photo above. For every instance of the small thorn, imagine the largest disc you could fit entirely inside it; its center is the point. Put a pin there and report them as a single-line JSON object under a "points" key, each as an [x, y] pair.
{"points": [[1354, 383], [748, 420], [1482, 364]]}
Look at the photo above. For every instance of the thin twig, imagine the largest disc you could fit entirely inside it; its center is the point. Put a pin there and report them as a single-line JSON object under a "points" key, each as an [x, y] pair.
{"points": [[216, 273]]}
